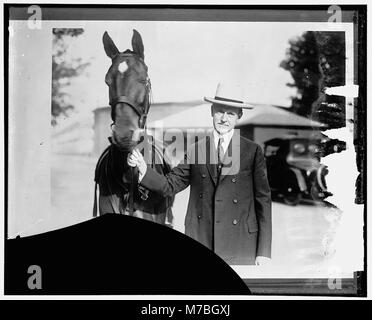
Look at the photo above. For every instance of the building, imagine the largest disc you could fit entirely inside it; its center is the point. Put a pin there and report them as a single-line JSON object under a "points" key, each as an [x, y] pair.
{"points": [[158, 111], [189, 119], [259, 124]]}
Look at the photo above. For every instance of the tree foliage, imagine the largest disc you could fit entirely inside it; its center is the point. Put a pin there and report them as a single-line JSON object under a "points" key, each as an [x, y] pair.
{"points": [[316, 60], [64, 68]]}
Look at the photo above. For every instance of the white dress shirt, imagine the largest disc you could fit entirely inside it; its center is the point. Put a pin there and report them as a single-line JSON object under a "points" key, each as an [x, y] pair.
{"points": [[226, 139]]}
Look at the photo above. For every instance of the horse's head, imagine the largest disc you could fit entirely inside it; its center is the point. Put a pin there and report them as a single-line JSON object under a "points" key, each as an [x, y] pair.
{"points": [[129, 89]]}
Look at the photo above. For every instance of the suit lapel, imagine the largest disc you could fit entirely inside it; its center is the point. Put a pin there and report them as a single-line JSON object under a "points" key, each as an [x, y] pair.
{"points": [[232, 157], [211, 158]]}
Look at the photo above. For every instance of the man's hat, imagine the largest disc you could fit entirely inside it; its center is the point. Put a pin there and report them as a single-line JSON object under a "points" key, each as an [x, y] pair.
{"points": [[229, 95]]}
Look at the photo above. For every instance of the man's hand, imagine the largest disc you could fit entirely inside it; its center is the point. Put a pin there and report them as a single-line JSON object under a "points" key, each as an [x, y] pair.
{"points": [[261, 261], [135, 159]]}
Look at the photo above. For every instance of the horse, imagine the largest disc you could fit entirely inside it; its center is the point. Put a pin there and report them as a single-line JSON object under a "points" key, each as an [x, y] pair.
{"points": [[129, 98]]}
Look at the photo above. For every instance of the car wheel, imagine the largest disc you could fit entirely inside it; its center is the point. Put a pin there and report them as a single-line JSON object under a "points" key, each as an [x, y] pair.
{"points": [[316, 193], [292, 197]]}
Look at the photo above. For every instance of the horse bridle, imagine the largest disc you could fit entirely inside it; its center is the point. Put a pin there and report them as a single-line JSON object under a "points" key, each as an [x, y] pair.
{"points": [[142, 111]]}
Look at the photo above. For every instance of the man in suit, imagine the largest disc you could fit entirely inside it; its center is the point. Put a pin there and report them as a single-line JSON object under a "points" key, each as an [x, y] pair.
{"points": [[229, 208]]}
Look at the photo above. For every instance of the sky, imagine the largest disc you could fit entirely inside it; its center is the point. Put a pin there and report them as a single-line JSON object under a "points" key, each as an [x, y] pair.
{"points": [[187, 60]]}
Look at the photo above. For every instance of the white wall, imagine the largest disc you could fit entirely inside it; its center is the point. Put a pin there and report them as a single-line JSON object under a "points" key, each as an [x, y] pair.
{"points": [[29, 126]]}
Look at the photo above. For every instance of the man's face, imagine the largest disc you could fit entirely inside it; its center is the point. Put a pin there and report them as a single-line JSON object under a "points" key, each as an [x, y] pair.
{"points": [[225, 118]]}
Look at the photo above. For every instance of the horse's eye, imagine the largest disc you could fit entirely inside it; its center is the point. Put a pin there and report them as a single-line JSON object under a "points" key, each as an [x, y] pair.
{"points": [[108, 79]]}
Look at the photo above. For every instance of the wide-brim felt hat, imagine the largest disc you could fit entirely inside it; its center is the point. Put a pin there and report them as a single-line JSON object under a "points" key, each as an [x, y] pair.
{"points": [[230, 95]]}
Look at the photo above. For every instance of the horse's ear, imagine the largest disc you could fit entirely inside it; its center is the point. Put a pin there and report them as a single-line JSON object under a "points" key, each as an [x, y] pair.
{"points": [[109, 45], [137, 44]]}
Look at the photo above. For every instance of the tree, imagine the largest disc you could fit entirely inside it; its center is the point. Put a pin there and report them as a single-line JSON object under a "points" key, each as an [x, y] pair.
{"points": [[316, 60], [63, 69]]}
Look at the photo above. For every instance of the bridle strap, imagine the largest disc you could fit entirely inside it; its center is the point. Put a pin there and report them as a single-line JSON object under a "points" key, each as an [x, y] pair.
{"points": [[142, 113], [126, 100], [142, 123]]}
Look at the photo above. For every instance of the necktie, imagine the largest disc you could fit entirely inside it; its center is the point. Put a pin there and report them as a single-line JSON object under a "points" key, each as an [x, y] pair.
{"points": [[220, 154]]}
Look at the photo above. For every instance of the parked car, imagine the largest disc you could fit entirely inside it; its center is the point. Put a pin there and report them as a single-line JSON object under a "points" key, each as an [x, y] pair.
{"points": [[329, 146], [294, 170]]}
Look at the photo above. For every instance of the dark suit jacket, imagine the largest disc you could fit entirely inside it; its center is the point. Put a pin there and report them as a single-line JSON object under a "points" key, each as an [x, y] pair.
{"points": [[230, 214]]}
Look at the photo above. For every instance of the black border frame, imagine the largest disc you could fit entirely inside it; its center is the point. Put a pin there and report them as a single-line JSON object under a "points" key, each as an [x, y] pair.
{"points": [[358, 284]]}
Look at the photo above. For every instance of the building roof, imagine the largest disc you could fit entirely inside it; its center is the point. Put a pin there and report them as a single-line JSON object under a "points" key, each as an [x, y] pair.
{"points": [[159, 110], [262, 115]]}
